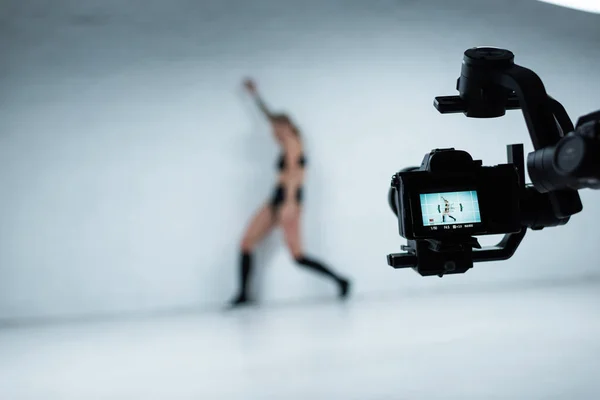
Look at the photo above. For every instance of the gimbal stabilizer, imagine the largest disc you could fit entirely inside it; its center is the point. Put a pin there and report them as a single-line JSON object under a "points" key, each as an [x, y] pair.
{"points": [[566, 158]]}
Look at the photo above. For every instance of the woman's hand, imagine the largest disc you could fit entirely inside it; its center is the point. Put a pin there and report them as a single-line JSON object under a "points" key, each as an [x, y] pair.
{"points": [[250, 85]]}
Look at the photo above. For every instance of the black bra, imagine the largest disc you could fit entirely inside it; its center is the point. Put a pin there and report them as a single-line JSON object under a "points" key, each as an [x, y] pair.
{"points": [[281, 164]]}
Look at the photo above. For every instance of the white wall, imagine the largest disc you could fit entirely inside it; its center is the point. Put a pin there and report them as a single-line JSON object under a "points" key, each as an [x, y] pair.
{"points": [[131, 161]]}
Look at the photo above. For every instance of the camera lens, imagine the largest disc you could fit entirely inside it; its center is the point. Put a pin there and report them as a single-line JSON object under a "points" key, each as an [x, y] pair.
{"points": [[450, 266], [570, 155]]}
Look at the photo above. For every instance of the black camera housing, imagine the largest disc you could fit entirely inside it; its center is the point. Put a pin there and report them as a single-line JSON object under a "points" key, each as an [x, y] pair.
{"points": [[492, 196]]}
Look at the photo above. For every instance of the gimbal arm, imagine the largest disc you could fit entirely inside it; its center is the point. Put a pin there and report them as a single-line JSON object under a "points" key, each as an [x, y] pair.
{"points": [[490, 81], [533, 101]]}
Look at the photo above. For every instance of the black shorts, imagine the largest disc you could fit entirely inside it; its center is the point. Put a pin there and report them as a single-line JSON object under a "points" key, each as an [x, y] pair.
{"points": [[279, 196]]}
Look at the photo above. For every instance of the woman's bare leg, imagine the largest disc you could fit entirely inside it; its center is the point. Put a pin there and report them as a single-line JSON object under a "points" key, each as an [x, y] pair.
{"points": [[261, 224], [290, 224]]}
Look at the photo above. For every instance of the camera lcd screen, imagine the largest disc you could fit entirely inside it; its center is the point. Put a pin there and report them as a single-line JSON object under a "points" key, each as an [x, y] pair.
{"points": [[450, 210]]}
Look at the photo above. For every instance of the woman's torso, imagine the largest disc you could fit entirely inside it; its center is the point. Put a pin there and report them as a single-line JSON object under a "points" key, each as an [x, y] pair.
{"points": [[291, 169]]}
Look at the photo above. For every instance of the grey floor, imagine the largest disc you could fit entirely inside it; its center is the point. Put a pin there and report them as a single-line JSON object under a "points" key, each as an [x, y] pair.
{"points": [[537, 343]]}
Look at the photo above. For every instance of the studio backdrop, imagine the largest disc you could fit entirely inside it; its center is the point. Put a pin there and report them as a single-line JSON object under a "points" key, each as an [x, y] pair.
{"points": [[131, 160]]}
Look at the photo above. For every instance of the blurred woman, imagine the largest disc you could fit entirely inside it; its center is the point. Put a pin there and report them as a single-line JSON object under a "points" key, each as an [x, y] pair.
{"points": [[283, 208], [447, 210]]}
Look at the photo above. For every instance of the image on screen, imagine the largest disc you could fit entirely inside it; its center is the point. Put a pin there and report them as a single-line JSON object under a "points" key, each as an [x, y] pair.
{"points": [[450, 208]]}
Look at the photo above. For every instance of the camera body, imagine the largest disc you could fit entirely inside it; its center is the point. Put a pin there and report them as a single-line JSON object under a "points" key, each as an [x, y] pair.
{"points": [[452, 195]]}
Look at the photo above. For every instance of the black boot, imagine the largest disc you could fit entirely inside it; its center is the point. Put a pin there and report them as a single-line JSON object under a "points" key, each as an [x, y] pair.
{"points": [[344, 288], [344, 284], [245, 270]]}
